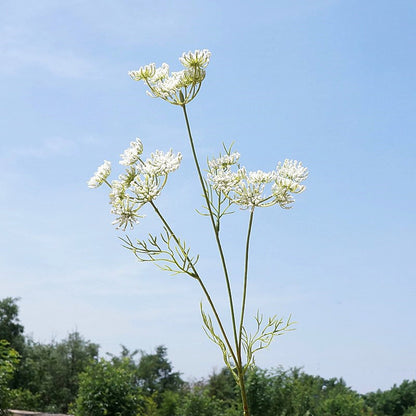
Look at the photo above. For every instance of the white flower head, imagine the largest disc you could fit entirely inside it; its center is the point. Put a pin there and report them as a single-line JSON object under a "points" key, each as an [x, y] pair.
{"points": [[224, 180], [180, 87], [223, 162], [248, 196], [128, 177], [292, 169], [146, 188], [258, 188], [100, 175], [249, 192], [261, 177], [160, 73], [197, 59], [282, 196], [194, 76], [132, 154], [143, 73], [117, 194], [127, 214], [161, 163], [290, 174]]}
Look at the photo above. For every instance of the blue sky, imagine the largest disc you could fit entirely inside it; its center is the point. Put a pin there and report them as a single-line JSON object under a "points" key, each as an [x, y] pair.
{"points": [[328, 82]]}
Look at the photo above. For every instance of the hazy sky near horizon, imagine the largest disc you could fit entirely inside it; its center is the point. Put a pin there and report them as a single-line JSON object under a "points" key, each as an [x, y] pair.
{"points": [[328, 82]]}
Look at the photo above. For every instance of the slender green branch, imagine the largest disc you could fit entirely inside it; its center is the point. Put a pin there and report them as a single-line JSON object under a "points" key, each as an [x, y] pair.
{"points": [[243, 393], [214, 226], [198, 278], [243, 303]]}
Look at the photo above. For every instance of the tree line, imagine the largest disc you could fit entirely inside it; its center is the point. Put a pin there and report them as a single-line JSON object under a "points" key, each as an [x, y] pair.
{"points": [[69, 377]]}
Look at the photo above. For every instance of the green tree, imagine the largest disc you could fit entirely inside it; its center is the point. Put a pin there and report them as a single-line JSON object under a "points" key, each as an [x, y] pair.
{"points": [[10, 328], [50, 372], [295, 393], [9, 359], [411, 411], [343, 404], [393, 402], [155, 374], [199, 403], [169, 403], [222, 386], [108, 388]]}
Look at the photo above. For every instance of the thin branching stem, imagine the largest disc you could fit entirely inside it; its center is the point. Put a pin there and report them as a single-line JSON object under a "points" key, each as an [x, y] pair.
{"points": [[243, 303], [215, 227], [198, 278], [240, 367]]}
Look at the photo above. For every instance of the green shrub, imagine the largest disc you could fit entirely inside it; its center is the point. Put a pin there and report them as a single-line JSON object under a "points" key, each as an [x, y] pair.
{"points": [[107, 388], [9, 359], [200, 404], [24, 399]]}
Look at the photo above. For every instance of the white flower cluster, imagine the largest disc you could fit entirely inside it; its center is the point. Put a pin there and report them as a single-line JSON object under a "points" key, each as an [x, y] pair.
{"points": [[160, 163], [223, 162], [142, 181], [100, 175], [248, 189], [180, 87], [132, 154]]}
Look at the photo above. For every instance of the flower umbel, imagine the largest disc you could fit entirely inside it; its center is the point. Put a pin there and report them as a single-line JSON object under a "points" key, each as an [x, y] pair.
{"points": [[132, 154], [223, 162], [142, 181], [100, 175], [145, 72], [127, 214], [249, 189], [161, 163], [290, 174], [178, 88], [197, 59]]}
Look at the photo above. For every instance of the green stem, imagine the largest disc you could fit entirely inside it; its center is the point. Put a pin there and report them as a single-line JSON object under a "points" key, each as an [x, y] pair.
{"points": [[243, 306], [243, 303], [242, 386], [197, 277], [215, 227]]}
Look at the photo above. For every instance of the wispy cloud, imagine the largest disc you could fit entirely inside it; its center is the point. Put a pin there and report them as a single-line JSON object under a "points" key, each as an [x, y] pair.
{"points": [[31, 39], [66, 64], [304, 8], [50, 147], [21, 51], [28, 44]]}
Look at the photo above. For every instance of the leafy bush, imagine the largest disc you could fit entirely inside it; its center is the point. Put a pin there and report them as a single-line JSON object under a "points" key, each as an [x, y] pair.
{"points": [[50, 373], [107, 388], [411, 411], [394, 402], [345, 404], [200, 404], [9, 359], [24, 399]]}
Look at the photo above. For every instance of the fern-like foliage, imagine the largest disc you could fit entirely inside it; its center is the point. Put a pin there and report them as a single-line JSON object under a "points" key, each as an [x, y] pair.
{"points": [[167, 251]]}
